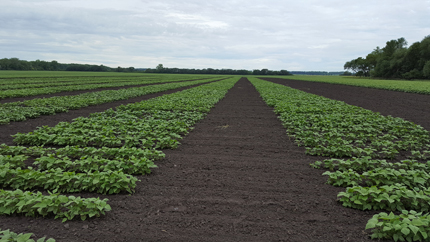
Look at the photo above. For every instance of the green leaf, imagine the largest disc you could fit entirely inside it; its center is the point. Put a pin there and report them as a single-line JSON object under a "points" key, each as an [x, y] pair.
{"points": [[405, 231], [24, 237], [96, 180], [386, 228], [42, 204], [414, 229], [424, 234], [371, 223]]}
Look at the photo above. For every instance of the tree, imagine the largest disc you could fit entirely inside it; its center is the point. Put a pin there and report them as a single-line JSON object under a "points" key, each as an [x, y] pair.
{"points": [[426, 70], [360, 66], [395, 60], [159, 68]]}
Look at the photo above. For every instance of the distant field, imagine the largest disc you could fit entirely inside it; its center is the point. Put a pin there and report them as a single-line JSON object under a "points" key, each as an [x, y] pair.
{"points": [[17, 74], [416, 86]]}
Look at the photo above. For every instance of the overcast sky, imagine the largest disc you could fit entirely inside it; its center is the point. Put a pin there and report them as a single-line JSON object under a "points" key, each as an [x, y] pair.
{"points": [[238, 34]]}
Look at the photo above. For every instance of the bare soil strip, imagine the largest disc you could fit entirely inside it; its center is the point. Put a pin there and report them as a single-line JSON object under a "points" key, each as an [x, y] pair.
{"points": [[409, 106]]}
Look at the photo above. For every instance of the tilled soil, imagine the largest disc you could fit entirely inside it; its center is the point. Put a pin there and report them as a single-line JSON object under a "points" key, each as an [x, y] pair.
{"points": [[236, 177]]}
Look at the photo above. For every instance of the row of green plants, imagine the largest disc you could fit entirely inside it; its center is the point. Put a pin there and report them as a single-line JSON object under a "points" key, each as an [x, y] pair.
{"points": [[415, 86], [9, 236], [135, 134], [55, 82], [156, 123], [64, 207], [335, 129], [360, 142], [77, 152], [20, 111], [26, 92]]}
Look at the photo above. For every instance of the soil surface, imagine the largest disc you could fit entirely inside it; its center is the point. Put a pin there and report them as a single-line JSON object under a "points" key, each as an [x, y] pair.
{"points": [[236, 177]]}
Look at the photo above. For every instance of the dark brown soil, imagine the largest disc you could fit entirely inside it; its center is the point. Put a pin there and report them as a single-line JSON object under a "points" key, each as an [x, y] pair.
{"points": [[236, 177]]}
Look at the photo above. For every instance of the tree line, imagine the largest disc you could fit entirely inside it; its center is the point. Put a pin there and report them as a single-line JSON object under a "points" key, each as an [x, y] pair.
{"points": [[395, 60], [161, 69], [319, 73], [39, 65]]}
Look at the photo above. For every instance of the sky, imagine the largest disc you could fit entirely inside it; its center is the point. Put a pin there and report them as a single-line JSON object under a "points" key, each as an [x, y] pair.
{"points": [[306, 35]]}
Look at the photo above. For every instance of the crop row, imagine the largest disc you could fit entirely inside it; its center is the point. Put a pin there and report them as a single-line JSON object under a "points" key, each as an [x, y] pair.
{"points": [[129, 136], [333, 128], [32, 204], [77, 152], [20, 111], [416, 86], [132, 165], [68, 82], [9, 236], [366, 137], [25, 92], [155, 123], [392, 186]]}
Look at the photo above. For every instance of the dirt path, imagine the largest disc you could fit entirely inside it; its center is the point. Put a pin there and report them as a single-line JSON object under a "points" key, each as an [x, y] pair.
{"points": [[409, 106], [235, 177]]}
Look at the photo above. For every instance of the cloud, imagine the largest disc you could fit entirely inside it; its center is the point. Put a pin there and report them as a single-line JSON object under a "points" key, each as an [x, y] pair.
{"points": [[254, 34]]}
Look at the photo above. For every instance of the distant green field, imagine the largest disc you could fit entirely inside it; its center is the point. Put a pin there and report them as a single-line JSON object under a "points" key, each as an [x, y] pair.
{"points": [[50, 74], [17, 74], [416, 86]]}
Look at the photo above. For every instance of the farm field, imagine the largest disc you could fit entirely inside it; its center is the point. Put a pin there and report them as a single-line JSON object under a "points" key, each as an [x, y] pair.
{"points": [[409, 106], [76, 85], [236, 176], [61, 74], [33, 108], [413, 86]]}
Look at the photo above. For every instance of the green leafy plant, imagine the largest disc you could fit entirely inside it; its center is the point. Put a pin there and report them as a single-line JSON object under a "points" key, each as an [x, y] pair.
{"points": [[408, 226], [132, 165], [57, 180], [395, 197], [335, 129], [33, 204], [9, 236]]}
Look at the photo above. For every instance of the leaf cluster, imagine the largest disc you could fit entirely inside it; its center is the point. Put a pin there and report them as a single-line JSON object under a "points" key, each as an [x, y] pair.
{"points": [[132, 166], [408, 226], [34, 204], [9, 236], [395, 197], [57, 180]]}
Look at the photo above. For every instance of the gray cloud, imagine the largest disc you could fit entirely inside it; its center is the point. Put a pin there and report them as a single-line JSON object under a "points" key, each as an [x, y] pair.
{"points": [[293, 35]]}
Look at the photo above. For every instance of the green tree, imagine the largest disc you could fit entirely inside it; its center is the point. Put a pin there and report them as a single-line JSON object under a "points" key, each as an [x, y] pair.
{"points": [[360, 66], [426, 70], [160, 68]]}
